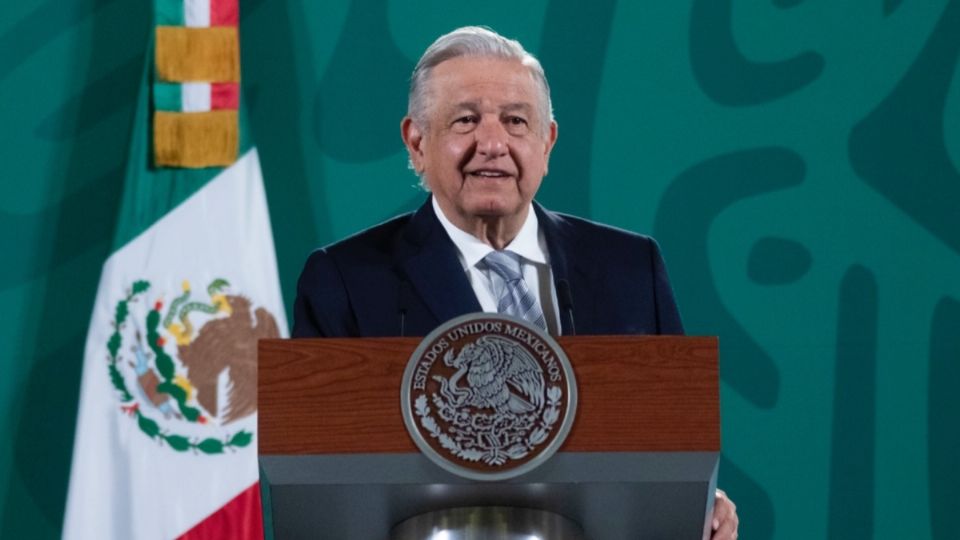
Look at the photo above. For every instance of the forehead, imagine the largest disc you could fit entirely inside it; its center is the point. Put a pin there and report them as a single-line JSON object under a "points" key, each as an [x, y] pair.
{"points": [[484, 81]]}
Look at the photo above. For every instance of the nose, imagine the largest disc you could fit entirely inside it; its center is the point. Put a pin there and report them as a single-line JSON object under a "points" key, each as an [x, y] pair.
{"points": [[491, 138]]}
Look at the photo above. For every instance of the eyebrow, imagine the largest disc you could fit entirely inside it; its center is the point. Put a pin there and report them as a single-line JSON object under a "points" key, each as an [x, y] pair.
{"points": [[509, 107], [525, 107]]}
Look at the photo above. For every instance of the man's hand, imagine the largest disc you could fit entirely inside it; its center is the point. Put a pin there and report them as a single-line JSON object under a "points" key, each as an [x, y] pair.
{"points": [[725, 520]]}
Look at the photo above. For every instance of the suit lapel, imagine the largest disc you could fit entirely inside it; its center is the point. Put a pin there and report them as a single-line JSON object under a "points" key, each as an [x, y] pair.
{"points": [[429, 260], [569, 263]]}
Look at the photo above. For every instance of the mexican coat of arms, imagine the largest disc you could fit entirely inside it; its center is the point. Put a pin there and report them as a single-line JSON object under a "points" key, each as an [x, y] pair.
{"points": [[185, 370], [488, 397]]}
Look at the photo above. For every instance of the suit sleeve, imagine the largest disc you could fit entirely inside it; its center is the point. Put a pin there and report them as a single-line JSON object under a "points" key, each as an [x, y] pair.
{"points": [[668, 315], [322, 307]]}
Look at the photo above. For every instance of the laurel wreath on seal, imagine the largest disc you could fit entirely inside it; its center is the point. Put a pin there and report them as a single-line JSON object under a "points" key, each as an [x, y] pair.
{"points": [[497, 456], [165, 366]]}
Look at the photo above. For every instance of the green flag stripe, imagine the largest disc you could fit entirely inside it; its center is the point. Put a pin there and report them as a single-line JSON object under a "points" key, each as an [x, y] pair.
{"points": [[167, 97], [169, 13]]}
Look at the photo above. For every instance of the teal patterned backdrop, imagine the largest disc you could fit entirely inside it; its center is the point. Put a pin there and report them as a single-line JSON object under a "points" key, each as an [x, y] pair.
{"points": [[799, 162]]}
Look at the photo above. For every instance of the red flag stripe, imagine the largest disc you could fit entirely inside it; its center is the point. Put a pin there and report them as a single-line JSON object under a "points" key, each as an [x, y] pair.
{"points": [[224, 96], [239, 519], [223, 13]]}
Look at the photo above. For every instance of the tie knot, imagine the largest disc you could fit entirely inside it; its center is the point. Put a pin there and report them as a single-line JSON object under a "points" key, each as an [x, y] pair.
{"points": [[505, 264]]}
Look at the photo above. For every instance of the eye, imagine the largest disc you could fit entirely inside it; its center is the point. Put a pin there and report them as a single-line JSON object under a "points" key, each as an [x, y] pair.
{"points": [[465, 123], [516, 125]]}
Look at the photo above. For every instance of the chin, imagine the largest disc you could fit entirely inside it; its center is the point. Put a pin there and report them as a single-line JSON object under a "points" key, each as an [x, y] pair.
{"points": [[495, 207]]}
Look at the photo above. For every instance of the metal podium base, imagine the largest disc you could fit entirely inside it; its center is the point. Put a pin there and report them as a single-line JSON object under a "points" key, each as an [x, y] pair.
{"points": [[488, 523], [610, 495]]}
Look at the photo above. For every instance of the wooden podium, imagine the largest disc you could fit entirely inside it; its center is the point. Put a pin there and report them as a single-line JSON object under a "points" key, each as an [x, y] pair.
{"points": [[640, 460]]}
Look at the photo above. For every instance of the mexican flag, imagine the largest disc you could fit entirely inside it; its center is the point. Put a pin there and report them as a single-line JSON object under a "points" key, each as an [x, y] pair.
{"points": [[166, 432]]}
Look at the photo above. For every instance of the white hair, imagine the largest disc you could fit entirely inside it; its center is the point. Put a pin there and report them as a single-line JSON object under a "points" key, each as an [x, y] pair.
{"points": [[475, 41]]}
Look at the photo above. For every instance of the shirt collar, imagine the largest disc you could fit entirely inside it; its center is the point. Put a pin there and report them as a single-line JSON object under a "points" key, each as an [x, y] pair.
{"points": [[472, 250]]}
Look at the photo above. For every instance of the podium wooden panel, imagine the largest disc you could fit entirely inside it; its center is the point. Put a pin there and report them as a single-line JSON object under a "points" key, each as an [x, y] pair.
{"points": [[637, 393]]}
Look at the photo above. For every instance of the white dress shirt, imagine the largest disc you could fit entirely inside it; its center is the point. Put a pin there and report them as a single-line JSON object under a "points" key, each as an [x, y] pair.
{"points": [[529, 244]]}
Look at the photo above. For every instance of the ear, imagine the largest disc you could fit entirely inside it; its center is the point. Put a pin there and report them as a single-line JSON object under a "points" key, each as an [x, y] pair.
{"points": [[548, 146], [412, 137]]}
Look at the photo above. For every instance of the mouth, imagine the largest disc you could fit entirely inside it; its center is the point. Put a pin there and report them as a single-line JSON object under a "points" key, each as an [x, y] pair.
{"points": [[488, 174]]}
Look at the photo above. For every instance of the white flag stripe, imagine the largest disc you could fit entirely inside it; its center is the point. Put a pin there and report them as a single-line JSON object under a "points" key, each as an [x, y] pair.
{"points": [[195, 97], [196, 13], [123, 484]]}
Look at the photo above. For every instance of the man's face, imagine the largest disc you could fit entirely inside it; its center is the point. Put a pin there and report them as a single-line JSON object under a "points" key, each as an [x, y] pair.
{"points": [[485, 149]]}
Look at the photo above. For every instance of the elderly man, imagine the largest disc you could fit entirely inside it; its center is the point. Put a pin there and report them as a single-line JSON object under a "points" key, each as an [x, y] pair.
{"points": [[479, 131]]}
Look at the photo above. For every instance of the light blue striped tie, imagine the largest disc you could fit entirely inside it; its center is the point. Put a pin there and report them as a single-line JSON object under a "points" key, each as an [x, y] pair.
{"points": [[516, 299]]}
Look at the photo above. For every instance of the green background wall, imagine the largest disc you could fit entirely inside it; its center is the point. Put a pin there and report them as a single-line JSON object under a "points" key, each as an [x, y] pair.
{"points": [[798, 161]]}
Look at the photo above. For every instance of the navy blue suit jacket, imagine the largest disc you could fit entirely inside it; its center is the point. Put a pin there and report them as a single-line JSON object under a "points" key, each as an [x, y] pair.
{"points": [[406, 271]]}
